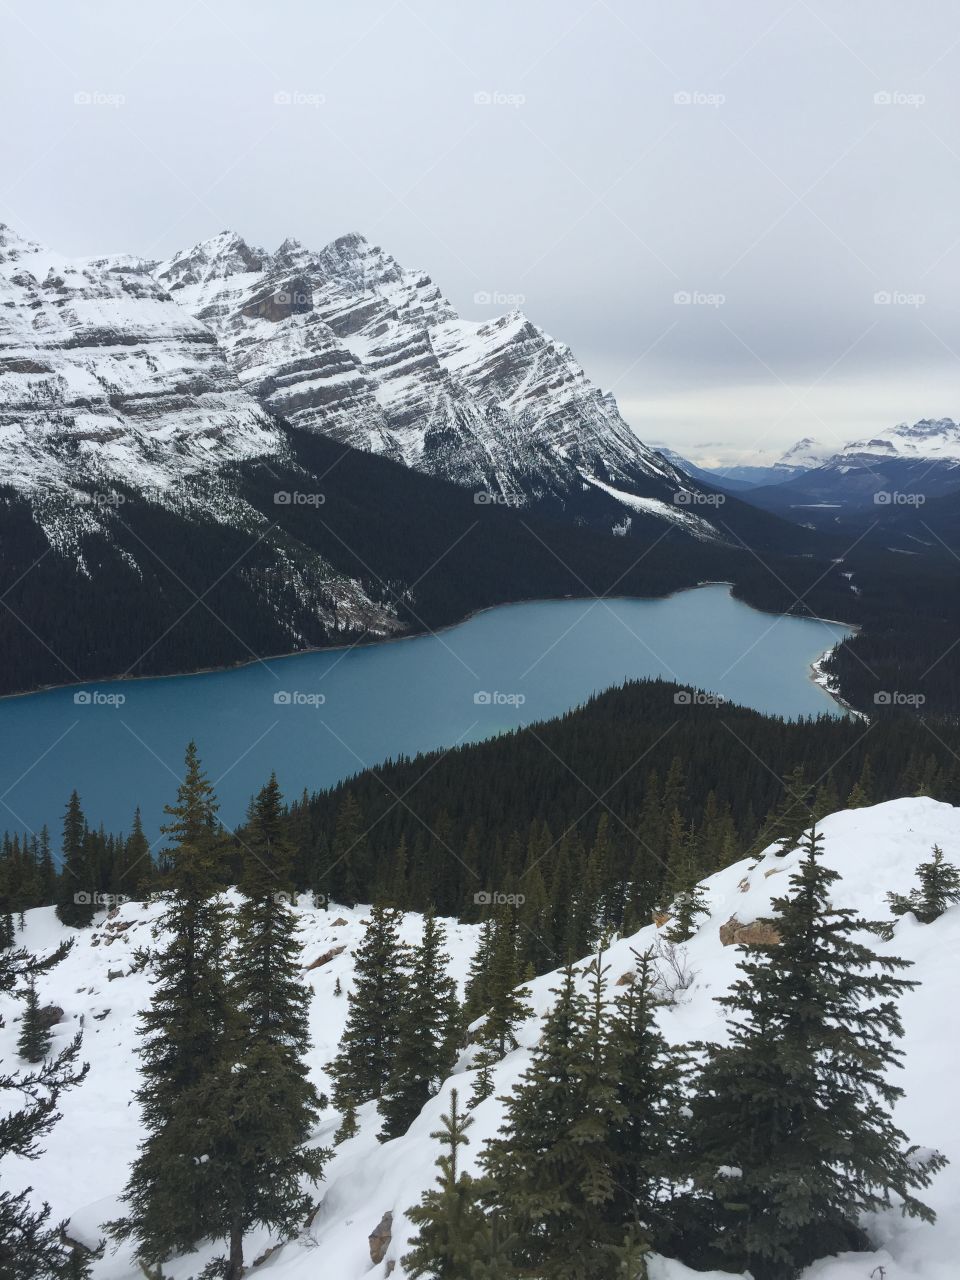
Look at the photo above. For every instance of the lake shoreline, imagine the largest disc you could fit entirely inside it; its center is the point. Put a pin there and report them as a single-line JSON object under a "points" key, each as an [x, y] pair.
{"points": [[815, 675]]}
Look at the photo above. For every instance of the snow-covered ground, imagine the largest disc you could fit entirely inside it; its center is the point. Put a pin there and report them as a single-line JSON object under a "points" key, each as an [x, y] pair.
{"points": [[875, 850]]}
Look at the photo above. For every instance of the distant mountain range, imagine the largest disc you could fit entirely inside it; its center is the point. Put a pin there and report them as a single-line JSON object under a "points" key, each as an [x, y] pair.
{"points": [[906, 465]]}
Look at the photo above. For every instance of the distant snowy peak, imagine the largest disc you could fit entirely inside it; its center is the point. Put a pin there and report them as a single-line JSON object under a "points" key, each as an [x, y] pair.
{"points": [[804, 455], [346, 341], [936, 439]]}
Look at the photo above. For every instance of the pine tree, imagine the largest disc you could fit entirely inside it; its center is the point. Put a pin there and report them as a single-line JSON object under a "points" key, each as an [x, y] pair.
{"points": [[137, 872], [368, 1048], [429, 1032], [477, 990], [508, 1003], [30, 1244], [347, 875], [268, 1105], [34, 1042], [46, 871], [648, 1135], [939, 889], [484, 1062], [454, 1237], [174, 1193], [75, 887], [686, 908], [791, 1126], [862, 794], [549, 1171]]}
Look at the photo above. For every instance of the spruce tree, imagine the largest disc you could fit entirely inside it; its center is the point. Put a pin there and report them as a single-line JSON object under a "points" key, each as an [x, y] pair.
{"points": [[483, 1084], [174, 1194], [791, 1129], [686, 907], [646, 1140], [46, 871], [939, 889], [75, 886], [30, 1244], [428, 1036], [508, 1005], [477, 990], [454, 1238], [549, 1171], [367, 1053], [33, 1044], [267, 1108]]}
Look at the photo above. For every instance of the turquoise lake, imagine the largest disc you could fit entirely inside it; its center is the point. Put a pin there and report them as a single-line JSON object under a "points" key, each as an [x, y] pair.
{"points": [[319, 717]]}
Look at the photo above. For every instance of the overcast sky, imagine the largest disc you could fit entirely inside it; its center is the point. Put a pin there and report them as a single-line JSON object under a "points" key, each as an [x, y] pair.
{"points": [[780, 165]]}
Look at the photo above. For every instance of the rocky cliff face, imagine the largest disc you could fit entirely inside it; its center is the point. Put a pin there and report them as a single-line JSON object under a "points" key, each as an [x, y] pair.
{"points": [[104, 374], [345, 341], [111, 392]]}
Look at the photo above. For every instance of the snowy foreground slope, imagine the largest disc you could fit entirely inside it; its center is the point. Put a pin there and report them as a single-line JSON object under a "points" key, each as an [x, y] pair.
{"points": [[875, 850]]}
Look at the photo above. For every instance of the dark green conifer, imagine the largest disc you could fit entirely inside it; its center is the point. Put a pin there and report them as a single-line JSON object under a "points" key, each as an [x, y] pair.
{"points": [[428, 1035], [368, 1048], [939, 888], [266, 1107], [549, 1171], [174, 1194], [791, 1131], [454, 1237], [75, 886], [33, 1044]]}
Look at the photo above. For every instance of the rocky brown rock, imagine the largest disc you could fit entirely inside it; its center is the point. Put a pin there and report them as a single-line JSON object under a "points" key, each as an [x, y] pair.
{"points": [[327, 956], [756, 933], [380, 1239]]}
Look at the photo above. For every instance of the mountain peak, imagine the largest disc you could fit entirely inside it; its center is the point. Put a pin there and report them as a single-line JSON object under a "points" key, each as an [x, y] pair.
{"points": [[221, 256]]}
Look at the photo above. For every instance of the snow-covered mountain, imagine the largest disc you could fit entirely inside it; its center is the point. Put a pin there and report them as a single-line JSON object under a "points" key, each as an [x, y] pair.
{"points": [[346, 341], [803, 455], [930, 439], [106, 381], [100, 989]]}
